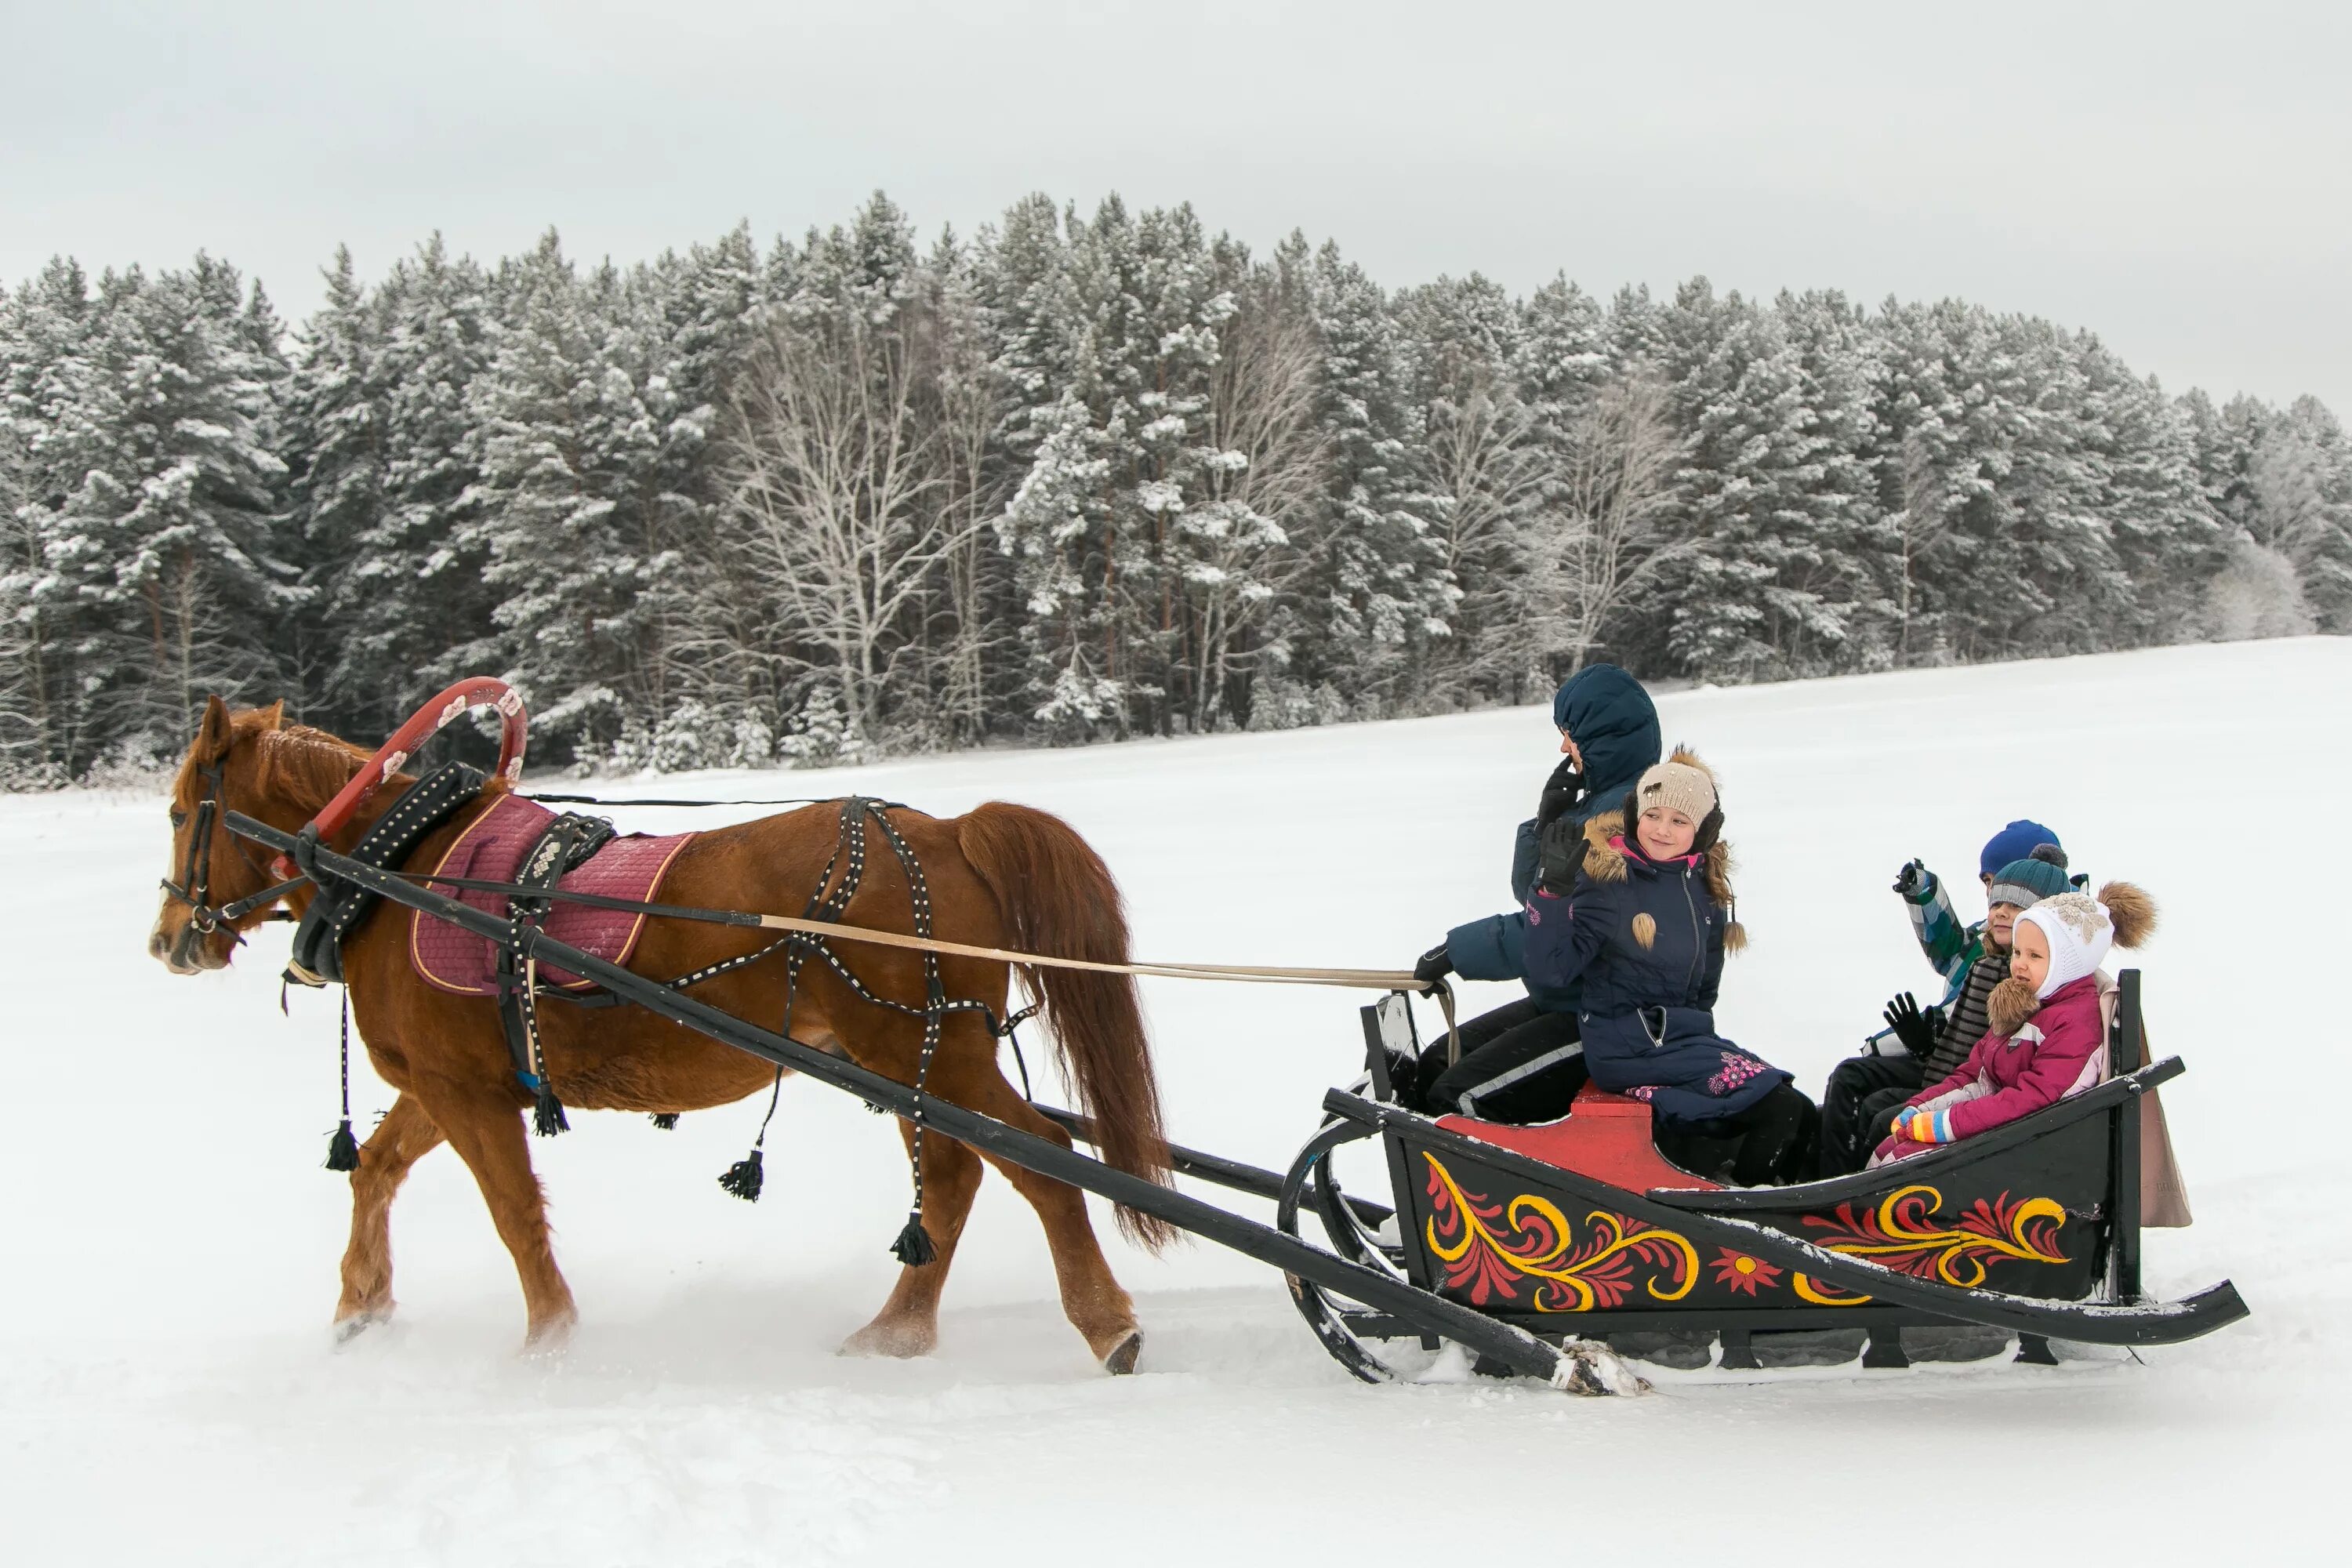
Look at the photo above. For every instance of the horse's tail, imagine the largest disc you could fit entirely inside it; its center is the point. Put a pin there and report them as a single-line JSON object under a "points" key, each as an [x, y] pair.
{"points": [[1057, 899]]}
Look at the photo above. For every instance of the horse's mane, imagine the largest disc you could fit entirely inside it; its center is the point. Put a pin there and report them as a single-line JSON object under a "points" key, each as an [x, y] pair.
{"points": [[300, 766]]}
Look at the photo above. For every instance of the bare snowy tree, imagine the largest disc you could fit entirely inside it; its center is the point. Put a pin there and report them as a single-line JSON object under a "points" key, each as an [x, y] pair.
{"points": [[1612, 527], [966, 631], [831, 480], [1266, 478], [1490, 476]]}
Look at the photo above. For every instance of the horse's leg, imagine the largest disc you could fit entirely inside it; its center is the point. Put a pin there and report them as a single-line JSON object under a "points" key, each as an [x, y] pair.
{"points": [[405, 1136], [1092, 1298], [487, 1133], [909, 1322]]}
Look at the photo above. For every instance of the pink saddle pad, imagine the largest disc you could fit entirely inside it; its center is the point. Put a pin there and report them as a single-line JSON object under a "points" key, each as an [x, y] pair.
{"points": [[489, 851]]}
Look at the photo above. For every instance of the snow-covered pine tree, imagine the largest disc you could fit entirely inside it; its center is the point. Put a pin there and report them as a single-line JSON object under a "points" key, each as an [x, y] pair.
{"points": [[2166, 538], [1775, 405], [167, 549], [44, 332], [1098, 526], [402, 609], [332, 434], [569, 425], [1383, 592], [1485, 456]]}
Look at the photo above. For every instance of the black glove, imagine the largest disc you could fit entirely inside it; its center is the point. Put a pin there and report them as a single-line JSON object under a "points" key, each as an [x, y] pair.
{"points": [[1911, 878], [1561, 856], [1434, 965], [1916, 1029], [1563, 790]]}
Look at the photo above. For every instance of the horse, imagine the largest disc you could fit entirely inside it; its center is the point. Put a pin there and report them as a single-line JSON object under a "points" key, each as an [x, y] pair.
{"points": [[1002, 876]]}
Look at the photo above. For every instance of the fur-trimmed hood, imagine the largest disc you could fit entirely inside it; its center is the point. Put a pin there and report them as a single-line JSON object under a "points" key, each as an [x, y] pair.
{"points": [[1604, 862]]}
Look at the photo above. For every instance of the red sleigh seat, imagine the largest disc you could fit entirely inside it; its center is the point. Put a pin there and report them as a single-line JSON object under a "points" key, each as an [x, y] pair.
{"points": [[1605, 1136]]}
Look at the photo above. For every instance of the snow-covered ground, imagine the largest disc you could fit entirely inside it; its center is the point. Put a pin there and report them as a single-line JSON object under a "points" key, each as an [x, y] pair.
{"points": [[168, 1246]]}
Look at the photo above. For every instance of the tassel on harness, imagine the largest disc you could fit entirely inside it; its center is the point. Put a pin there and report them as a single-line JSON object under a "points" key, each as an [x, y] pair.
{"points": [[743, 1178], [665, 1119], [343, 1149], [914, 1246]]}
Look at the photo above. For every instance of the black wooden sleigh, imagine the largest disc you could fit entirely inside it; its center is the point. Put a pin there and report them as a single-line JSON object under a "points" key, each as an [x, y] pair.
{"points": [[1580, 1229]]}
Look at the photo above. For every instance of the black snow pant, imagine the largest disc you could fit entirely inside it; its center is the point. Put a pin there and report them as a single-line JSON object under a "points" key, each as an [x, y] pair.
{"points": [[1519, 1063], [1770, 1144], [1859, 1100]]}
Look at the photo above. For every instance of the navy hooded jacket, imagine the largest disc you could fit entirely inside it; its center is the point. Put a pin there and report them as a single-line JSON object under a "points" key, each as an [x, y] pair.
{"points": [[1645, 940], [1615, 728]]}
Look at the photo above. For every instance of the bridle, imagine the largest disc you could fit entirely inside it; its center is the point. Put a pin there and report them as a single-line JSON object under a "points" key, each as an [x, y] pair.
{"points": [[194, 886]]}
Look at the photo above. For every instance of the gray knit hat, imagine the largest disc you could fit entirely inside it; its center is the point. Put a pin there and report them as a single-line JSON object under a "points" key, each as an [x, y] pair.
{"points": [[2025, 883]]}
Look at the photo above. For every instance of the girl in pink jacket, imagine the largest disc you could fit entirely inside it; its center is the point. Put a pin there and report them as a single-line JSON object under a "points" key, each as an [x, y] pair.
{"points": [[2048, 1040]]}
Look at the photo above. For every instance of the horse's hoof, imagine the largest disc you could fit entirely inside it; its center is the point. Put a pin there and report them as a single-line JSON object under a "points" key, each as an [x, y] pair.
{"points": [[549, 1341], [352, 1328], [900, 1340], [1124, 1355], [1591, 1369]]}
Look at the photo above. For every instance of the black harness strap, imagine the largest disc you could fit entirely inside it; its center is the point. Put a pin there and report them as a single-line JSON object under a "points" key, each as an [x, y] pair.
{"points": [[567, 843]]}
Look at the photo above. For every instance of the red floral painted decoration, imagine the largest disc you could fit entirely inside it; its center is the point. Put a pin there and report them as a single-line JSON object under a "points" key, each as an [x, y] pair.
{"points": [[1743, 1274]]}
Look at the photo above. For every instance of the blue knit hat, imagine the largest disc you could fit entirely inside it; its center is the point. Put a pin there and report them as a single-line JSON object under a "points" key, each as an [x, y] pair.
{"points": [[2025, 883], [2015, 842]]}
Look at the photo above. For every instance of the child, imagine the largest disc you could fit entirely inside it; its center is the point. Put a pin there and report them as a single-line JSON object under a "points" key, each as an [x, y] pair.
{"points": [[2020, 866], [1636, 907], [2048, 1038]]}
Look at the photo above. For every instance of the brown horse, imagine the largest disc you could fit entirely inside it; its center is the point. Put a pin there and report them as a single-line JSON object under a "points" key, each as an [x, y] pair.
{"points": [[1002, 876]]}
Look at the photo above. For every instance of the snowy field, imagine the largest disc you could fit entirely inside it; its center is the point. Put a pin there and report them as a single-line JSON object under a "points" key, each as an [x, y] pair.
{"points": [[168, 1392]]}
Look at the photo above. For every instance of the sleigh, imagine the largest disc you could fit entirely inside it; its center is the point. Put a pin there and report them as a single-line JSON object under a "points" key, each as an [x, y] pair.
{"points": [[1579, 1229]]}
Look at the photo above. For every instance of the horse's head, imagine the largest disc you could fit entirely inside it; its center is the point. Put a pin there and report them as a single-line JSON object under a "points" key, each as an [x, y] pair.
{"points": [[211, 866]]}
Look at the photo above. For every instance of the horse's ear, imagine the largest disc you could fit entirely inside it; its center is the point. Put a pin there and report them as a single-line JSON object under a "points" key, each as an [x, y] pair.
{"points": [[213, 735], [277, 712]]}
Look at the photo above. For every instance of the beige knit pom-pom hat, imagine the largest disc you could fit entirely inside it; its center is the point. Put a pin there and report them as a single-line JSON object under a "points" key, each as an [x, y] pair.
{"points": [[1678, 786]]}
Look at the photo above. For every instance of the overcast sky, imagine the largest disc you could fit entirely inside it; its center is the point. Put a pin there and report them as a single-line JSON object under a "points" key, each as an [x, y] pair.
{"points": [[2174, 178]]}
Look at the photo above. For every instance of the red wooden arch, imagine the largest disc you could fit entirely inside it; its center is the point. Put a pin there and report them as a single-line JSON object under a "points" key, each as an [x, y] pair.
{"points": [[476, 691]]}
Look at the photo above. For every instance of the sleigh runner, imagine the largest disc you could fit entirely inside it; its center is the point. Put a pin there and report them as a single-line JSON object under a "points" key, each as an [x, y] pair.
{"points": [[1525, 1245]]}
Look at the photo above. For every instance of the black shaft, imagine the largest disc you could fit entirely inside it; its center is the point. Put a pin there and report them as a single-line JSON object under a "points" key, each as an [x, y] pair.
{"points": [[1214, 1169], [1520, 1351]]}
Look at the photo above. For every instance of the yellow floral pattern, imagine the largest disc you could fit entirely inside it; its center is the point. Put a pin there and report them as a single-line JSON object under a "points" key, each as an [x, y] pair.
{"points": [[1900, 1234], [1492, 1250]]}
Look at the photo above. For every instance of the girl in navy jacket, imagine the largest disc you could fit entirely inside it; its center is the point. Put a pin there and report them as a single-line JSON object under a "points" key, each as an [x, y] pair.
{"points": [[1643, 933]]}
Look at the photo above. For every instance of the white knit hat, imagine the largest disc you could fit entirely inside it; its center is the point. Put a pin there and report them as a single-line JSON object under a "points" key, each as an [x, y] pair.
{"points": [[2080, 931]]}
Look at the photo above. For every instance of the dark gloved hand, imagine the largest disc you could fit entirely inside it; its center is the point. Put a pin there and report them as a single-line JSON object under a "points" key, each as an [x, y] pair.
{"points": [[1916, 1029], [1562, 856], [1563, 790], [1434, 965], [1913, 880]]}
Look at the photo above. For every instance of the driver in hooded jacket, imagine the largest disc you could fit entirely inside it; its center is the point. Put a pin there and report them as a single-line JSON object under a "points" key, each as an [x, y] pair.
{"points": [[1523, 1062]]}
